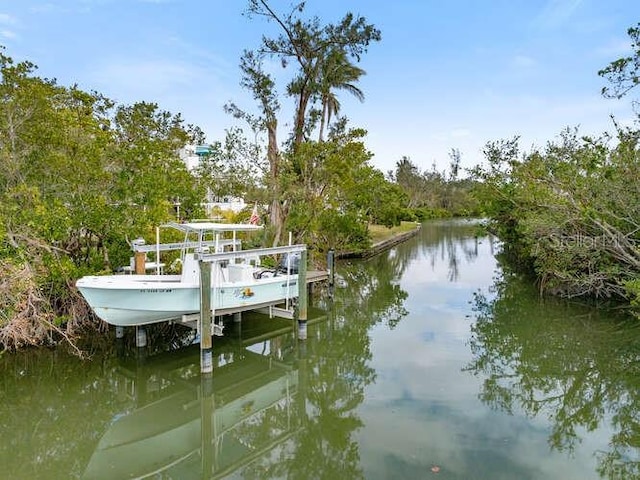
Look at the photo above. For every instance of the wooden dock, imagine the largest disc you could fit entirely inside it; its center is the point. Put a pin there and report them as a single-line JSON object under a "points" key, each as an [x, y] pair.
{"points": [[314, 276]]}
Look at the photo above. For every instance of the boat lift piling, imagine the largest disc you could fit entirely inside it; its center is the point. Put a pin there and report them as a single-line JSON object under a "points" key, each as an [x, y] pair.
{"points": [[302, 296], [119, 332], [206, 316], [141, 336], [331, 269]]}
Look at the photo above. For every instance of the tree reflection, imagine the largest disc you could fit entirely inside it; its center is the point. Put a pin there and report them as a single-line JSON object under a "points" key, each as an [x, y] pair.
{"points": [[371, 291], [45, 401], [576, 365], [449, 241], [334, 371]]}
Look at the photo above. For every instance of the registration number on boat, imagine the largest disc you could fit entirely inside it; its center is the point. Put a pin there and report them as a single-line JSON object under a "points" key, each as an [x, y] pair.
{"points": [[155, 290]]}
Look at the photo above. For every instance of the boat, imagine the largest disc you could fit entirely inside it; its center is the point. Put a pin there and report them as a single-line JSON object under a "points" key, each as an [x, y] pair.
{"points": [[239, 280], [183, 426]]}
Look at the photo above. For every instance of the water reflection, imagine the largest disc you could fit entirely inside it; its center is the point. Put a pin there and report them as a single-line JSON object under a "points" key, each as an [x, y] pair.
{"points": [[575, 365], [380, 389], [274, 407]]}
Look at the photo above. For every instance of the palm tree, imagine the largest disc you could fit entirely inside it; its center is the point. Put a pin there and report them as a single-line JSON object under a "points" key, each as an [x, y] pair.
{"points": [[337, 72]]}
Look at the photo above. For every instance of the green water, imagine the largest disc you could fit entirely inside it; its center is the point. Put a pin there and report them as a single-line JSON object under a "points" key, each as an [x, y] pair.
{"points": [[430, 362]]}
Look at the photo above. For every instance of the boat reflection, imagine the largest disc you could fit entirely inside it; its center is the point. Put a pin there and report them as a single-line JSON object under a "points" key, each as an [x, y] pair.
{"points": [[186, 425]]}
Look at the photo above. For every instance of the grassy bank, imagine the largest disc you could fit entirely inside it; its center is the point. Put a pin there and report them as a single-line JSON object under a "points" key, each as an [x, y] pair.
{"points": [[380, 233]]}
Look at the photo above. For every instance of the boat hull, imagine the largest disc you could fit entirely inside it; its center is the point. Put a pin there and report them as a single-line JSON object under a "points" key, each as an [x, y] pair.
{"points": [[146, 299]]}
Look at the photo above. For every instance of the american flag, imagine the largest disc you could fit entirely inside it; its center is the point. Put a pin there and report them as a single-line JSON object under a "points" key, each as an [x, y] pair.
{"points": [[254, 215]]}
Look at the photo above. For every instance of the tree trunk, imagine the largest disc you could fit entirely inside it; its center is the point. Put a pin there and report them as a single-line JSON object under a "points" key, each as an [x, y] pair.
{"points": [[300, 119], [322, 120], [276, 213]]}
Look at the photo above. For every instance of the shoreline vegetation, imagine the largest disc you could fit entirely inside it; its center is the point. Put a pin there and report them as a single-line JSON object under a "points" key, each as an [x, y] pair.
{"points": [[81, 176]]}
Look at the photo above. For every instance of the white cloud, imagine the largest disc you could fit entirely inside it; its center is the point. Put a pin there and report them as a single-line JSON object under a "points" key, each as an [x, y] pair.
{"points": [[460, 133], [615, 48], [6, 19], [144, 78], [9, 34], [523, 61], [42, 8], [556, 13]]}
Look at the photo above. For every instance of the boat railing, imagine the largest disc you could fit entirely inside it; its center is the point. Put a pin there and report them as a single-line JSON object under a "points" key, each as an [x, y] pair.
{"points": [[243, 254], [163, 247]]}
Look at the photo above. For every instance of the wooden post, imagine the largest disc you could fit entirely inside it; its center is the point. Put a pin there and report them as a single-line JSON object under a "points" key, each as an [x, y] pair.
{"points": [[302, 296], [141, 336], [303, 382], [331, 265], [207, 448], [139, 260], [206, 315]]}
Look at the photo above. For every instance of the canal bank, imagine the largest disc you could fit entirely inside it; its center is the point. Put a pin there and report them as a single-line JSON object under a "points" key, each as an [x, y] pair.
{"points": [[382, 245]]}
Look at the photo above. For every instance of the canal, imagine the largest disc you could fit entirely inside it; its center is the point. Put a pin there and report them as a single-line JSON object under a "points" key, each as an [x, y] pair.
{"points": [[431, 361]]}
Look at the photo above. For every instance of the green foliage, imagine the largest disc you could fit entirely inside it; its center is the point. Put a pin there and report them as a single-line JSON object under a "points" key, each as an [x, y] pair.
{"points": [[624, 73], [434, 194], [78, 177], [633, 291], [322, 186], [570, 212], [231, 167], [321, 54], [318, 59]]}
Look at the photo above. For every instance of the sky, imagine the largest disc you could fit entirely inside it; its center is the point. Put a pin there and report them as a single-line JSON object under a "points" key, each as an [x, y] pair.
{"points": [[447, 74]]}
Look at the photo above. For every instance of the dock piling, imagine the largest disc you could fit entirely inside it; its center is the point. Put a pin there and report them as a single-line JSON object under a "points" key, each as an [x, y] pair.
{"points": [[302, 296], [331, 269], [331, 264], [139, 259], [141, 337], [206, 316]]}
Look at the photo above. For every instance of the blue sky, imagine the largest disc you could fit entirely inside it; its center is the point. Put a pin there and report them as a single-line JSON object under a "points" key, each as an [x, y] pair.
{"points": [[447, 74]]}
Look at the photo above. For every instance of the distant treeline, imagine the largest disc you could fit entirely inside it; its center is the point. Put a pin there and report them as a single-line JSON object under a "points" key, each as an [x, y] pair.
{"points": [[435, 194]]}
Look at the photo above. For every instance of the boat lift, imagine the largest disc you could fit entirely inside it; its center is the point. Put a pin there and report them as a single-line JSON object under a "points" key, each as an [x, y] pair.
{"points": [[207, 313]]}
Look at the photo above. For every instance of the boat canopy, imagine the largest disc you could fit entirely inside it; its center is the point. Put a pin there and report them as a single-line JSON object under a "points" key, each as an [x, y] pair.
{"points": [[193, 227]]}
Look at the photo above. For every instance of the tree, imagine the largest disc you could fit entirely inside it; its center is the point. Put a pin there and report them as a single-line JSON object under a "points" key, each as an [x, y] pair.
{"points": [[232, 167], [569, 212], [262, 86], [408, 176], [624, 74], [307, 45], [78, 176], [325, 206], [336, 73]]}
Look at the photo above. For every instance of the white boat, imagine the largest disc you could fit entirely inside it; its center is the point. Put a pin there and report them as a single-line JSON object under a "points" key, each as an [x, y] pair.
{"points": [[238, 281]]}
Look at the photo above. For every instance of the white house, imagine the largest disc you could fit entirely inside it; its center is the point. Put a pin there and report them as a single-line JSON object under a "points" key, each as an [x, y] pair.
{"points": [[191, 155]]}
